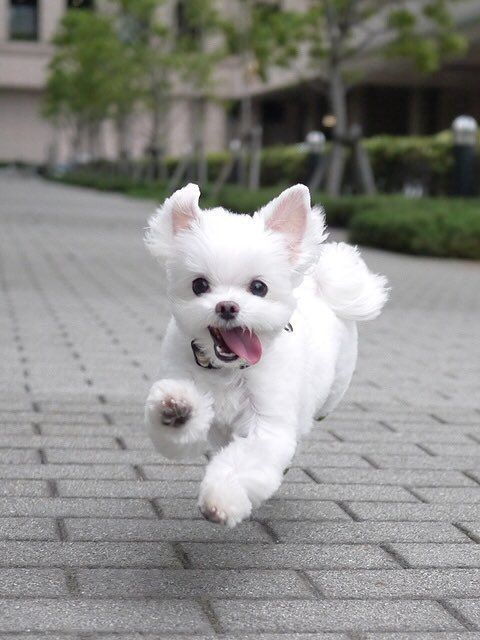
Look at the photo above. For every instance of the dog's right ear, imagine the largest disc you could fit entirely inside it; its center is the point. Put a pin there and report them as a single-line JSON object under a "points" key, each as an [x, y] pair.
{"points": [[177, 214]]}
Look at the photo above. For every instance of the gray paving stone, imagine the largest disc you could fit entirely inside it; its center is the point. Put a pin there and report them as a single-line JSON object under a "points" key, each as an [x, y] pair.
{"points": [[100, 456], [127, 488], [184, 472], [202, 636], [91, 431], [473, 529], [23, 488], [272, 510], [475, 474], [361, 448], [64, 507], [405, 511], [189, 583], [299, 491], [87, 554], [326, 460], [300, 510], [32, 582], [424, 635], [18, 456], [112, 615], [175, 530], [301, 556], [56, 471], [60, 442], [445, 449], [450, 494], [340, 615], [28, 529], [401, 583], [367, 532], [16, 429], [425, 462], [469, 609], [409, 477], [439, 555]]}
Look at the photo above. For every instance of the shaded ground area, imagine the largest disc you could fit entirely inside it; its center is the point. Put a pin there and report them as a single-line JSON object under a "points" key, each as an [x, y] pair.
{"points": [[375, 532]]}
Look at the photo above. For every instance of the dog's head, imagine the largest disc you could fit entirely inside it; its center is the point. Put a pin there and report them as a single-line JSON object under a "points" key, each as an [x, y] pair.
{"points": [[231, 277]]}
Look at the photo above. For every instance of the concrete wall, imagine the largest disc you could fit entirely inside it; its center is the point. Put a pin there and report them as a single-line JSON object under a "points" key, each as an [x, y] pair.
{"points": [[23, 134]]}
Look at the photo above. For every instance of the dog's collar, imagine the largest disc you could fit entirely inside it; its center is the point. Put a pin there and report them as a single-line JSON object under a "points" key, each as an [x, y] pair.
{"points": [[204, 361]]}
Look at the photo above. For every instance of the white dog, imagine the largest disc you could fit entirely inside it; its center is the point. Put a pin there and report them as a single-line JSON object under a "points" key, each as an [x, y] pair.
{"points": [[262, 339]]}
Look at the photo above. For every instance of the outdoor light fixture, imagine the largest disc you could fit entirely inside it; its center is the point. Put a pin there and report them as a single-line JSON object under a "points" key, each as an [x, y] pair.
{"points": [[329, 120], [315, 141]]}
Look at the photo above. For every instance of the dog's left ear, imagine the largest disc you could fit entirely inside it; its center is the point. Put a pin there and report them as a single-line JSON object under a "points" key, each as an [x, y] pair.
{"points": [[291, 215], [178, 213]]}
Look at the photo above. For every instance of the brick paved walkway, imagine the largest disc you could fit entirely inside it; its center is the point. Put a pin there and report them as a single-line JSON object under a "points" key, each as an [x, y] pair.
{"points": [[375, 533]]}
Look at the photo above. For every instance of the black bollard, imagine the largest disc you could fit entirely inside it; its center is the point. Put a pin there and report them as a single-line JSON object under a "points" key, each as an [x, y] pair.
{"points": [[465, 182], [315, 161]]}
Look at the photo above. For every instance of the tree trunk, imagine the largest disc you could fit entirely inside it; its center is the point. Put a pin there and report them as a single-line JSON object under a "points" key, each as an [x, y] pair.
{"points": [[156, 135], [246, 124], [77, 140], [93, 140], [122, 126], [198, 137], [338, 103]]}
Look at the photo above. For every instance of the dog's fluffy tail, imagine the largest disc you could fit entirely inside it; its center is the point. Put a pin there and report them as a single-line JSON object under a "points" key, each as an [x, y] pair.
{"points": [[347, 286]]}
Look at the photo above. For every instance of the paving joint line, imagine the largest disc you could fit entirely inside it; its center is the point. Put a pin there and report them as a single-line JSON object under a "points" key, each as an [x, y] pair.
{"points": [[465, 531], [269, 530], [399, 559], [457, 615]]}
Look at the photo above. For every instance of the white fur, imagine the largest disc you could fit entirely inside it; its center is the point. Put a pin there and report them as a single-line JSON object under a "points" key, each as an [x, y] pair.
{"points": [[252, 418]]}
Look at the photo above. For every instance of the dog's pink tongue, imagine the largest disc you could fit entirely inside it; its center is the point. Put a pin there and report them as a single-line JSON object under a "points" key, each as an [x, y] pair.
{"points": [[243, 343]]}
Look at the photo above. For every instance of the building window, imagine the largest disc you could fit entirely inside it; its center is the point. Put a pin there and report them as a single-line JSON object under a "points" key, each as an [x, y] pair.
{"points": [[80, 4], [23, 20]]}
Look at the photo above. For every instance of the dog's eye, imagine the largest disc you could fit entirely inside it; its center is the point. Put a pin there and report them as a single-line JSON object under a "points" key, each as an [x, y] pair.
{"points": [[258, 288], [199, 286]]}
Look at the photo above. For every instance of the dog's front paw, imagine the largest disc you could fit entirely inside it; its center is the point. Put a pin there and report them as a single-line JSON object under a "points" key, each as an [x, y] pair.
{"points": [[173, 412], [178, 416], [224, 503], [167, 404]]}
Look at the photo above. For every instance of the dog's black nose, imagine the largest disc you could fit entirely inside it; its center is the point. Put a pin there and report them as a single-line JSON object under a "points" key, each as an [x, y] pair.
{"points": [[227, 309]]}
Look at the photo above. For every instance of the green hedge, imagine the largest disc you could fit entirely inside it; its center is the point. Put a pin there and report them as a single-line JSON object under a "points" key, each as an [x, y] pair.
{"points": [[395, 161], [338, 210], [424, 226], [433, 226]]}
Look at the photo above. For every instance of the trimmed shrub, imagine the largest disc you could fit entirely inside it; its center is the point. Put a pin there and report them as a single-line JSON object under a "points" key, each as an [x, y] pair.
{"points": [[434, 227]]}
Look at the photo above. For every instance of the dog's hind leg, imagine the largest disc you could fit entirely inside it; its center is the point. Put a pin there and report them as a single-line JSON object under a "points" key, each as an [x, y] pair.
{"points": [[178, 416]]}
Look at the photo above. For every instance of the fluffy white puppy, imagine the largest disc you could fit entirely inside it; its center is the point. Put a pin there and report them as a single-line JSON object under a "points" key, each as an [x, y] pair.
{"points": [[262, 339]]}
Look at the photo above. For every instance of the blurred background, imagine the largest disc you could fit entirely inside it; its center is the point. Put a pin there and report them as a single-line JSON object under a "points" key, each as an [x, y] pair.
{"points": [[352, 97]]}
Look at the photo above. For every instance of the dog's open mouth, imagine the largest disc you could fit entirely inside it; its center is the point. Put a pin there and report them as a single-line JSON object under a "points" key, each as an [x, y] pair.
{"points": [[238, 342]]}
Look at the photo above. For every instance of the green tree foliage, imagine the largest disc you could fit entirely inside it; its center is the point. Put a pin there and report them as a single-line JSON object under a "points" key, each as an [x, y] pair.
{"points": [[339, 31], [164, 52], [91, 74], [261, 35]]}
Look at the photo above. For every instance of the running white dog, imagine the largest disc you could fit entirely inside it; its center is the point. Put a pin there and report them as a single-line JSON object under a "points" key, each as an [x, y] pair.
{"points": [[262, 339]]}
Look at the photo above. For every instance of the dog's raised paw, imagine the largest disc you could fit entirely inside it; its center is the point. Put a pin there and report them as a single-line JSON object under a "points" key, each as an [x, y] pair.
{"points": [[174, 412]]}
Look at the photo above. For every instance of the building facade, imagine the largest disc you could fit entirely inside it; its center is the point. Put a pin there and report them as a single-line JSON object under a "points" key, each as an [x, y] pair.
{"points": [[390, 98]]}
